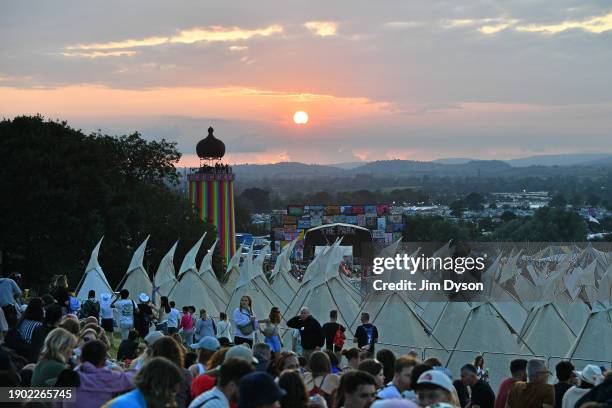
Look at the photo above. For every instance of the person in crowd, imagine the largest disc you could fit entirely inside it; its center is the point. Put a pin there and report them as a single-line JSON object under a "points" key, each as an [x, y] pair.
{"points": [[482, 372], [319, 379], [168, 347], [270, 329], [402, 370], [334, 361], [128, 348], [387, 358], [174, 317], [71, 324], [536, 393], [21, 339], [145, 316], [206, 381], [55, 355], [100, 334], [334, 334], [296, 342], [259, 390], [10, 292], [91, 307], [285, 360], [366, 335], [156, 386], [245, 321], [463, 393], [228, 385], [311, 334], [106, 317], [518, 370], [205, 326], [186, 325], [482, 396], [375, 368], [53, 315], [224, 327], [97, 383], [297, 394], [600, 395], [206, 347], [127, 310], [353, 358], [588, 378], [162, 315], [434, 387], [357, 389], [263, 354], [566, 378]]}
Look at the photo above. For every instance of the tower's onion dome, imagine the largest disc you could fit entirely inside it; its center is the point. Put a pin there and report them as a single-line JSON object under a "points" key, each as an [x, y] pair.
{"points": [[210, 147]]}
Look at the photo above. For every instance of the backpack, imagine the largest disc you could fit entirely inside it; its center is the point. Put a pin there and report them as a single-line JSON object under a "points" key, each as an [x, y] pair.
{"points": [[339, 337], [74, 304]]}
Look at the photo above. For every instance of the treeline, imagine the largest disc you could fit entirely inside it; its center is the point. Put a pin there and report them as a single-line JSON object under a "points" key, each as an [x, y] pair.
{"points": [[63, 190]]}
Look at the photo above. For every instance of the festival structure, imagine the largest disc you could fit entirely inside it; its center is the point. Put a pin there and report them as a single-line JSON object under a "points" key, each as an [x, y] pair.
{"points": [[94, 278], [211, 192]]}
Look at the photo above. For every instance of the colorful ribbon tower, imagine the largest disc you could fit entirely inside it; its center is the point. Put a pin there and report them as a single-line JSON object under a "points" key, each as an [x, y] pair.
{"points": [[212, 195]]}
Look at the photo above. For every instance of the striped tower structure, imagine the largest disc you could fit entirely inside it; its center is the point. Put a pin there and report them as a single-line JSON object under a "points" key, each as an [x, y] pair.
{"points": [[211, 192]]}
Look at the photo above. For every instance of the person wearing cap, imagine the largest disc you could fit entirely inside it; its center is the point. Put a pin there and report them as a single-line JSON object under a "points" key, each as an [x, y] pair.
{"points": [[536, 393], [259, 390], [205, 347], [145, 315], [482, 396], [589, 377], [433, 386], [228, 384]]}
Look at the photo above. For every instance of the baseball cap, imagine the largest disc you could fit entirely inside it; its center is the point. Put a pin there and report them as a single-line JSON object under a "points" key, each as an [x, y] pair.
{"points": [[207, 343], [152, 337], [590, 374], [436, 378], [143, 297], [241, 352], [258, 389]]}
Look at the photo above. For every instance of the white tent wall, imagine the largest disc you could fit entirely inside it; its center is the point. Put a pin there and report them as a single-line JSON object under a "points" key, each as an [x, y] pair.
{"points": [[165, 277], [189, 262], [93, 278], [547, 333], [192, 291], [136, 280], [214, 288], [594, 343], [232, 271]]}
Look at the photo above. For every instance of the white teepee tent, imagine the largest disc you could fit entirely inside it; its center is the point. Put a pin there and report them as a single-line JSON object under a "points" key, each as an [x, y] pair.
{"points": [[165, 277], [283, 284], [206, 272], [93, 278], [136, 279]]}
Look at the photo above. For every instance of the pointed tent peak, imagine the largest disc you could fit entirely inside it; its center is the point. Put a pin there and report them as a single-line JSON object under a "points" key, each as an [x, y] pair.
{"points": [[246, 270], [93, 259], [165, 270], [283, 261], [391, 249], [206, 264], [138, 257], [189, 262], [234, 262]]}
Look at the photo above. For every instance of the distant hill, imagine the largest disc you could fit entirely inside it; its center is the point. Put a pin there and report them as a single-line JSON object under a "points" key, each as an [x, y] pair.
{"points": [[348, 165], [452, 160], [559, 159]]}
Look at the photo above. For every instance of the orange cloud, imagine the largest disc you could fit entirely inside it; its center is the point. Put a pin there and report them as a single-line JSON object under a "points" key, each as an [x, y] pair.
{"points": [[322, 28]]}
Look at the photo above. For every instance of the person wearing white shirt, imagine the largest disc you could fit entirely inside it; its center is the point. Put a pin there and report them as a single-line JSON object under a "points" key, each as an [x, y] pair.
{"points": [[173, 317], [224, 327], [228, 385], [245, 321], [589, 377]]}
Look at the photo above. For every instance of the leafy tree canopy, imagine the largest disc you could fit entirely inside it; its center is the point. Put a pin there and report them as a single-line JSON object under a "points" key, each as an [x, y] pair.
{"points": [[63, 190]]}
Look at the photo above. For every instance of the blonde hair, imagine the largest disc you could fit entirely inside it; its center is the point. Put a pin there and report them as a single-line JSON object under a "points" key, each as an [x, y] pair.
{"points": [[57, 342]]}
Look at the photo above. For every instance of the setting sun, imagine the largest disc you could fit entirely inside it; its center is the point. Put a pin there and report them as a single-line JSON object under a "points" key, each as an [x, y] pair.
{"points": [[300, 117]]}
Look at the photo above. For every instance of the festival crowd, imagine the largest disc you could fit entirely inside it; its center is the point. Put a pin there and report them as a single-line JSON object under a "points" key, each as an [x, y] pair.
{"points": [[170, 357]]}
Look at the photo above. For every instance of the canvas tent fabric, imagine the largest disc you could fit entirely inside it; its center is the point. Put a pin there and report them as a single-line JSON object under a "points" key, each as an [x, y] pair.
{"points": [[232, 272], [594, 342], [207, 274], [136, 280], [285, 285], [165, 278], [93, 278], [189, 262], [192, 291]]}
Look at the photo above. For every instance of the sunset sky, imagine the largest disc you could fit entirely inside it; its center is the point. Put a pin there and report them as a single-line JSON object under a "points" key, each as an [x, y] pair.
{"points": [[379, 80]]}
